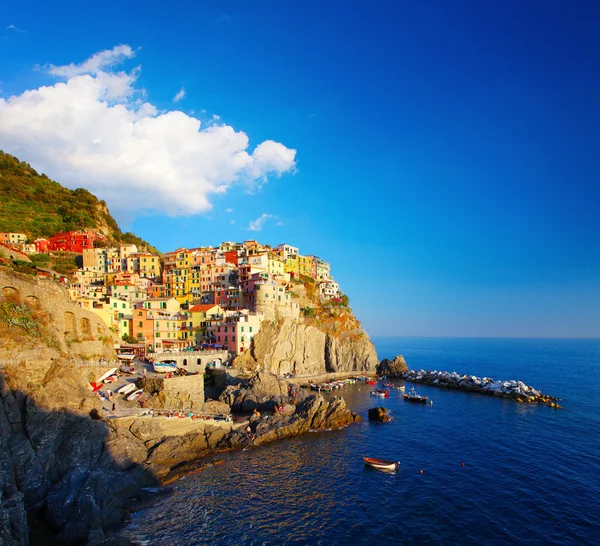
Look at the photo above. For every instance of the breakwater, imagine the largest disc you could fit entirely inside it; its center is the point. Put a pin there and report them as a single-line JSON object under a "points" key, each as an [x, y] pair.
{"points": [[515, 390]]}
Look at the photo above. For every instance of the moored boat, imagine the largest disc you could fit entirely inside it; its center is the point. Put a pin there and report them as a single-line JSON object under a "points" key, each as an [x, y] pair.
{"points": [[381, 393], [108, 374], [412, 396], [135, 395], [164, 367], [381, 464], [127, 388]]}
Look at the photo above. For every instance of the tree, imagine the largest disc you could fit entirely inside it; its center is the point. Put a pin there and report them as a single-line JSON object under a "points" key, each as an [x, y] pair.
{"points": [[128, 339]]}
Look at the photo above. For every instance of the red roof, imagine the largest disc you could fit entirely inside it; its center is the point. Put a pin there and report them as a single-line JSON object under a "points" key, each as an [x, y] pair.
{"points": [[203, 307]]}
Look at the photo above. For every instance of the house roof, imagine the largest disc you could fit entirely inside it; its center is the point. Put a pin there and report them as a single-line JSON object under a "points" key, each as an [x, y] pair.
{"points": [[203, 307]]}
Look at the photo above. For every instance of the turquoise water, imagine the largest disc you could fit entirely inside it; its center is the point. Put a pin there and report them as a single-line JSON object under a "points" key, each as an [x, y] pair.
{"points": [[531, 474]]}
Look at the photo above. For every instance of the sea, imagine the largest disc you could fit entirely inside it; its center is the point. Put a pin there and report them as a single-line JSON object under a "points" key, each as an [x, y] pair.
{"points": [[474, 469]]}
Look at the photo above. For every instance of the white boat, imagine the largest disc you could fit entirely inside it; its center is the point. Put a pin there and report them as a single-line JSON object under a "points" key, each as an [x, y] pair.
{"points": [[135, 395], [381, 464], [126, 389], [110, 372], [126, 356], [401, 388], [164, 367]]}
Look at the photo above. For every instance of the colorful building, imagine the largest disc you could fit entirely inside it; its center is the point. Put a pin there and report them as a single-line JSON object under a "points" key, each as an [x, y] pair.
{"points": [[74, 241]]}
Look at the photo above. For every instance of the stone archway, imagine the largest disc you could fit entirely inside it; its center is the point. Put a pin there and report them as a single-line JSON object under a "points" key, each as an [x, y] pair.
{"points": [[70, 326], [33, 301], [11, 293], [86, 329]]}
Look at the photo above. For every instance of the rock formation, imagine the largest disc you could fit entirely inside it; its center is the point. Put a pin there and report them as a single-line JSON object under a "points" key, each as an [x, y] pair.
{"points": [[379, 415], [288, 346], [394, 368], [77, 473]]}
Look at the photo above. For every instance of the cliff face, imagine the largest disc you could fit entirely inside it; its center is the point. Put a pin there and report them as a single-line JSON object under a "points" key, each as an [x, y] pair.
{"points": [[74, 473], [286, 346]]}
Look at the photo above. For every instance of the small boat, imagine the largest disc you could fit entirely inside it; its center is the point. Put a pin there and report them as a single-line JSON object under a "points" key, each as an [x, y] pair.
{"points": [[401, 388], [127, 368], [135, 395], [126, 356], [412, 396], [371, 382], [110, 372], [126, 389], [111, 378], [381, 464], [381, 393], [164, 367]]}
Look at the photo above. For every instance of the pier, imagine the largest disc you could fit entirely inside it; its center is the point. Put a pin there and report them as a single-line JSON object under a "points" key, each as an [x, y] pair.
{"points": [[514, 390]]}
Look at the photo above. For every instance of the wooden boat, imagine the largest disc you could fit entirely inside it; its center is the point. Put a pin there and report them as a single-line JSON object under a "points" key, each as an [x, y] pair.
{"points": [[110, 372], [127, 368], [412, 396], [135, 395], [127, 388], [381, 464], [164, 367], [371, 382]]}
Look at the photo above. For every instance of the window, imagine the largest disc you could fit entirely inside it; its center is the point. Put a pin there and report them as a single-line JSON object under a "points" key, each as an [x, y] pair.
{"points": [[250, 328], [140, 324], [242, 330], [139, 313], [157, 334]]}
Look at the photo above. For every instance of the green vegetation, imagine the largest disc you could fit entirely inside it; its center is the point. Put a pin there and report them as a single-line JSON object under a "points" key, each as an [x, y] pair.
{"points": [[18, 317], [128, 339], [39, 207]]}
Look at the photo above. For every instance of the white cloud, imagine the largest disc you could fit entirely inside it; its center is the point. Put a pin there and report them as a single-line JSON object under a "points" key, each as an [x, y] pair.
{"points": [[13, 27], [180, 95], [232, 221], [96, 130], [257, 225], [228, 210]]}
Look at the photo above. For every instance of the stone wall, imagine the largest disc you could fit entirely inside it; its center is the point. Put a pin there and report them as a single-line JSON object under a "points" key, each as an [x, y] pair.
{"points": [[176, 393], [70, 330]]}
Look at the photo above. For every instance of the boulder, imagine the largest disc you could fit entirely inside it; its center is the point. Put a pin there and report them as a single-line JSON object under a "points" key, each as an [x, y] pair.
{"points": [[379, 414]]}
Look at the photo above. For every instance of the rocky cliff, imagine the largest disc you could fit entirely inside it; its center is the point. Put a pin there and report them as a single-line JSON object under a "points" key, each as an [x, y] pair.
{"points": [[73, 473], [288, 346]]}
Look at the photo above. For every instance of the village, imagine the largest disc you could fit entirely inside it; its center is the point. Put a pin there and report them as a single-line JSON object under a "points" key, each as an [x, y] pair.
{"points": [[205, 298]]}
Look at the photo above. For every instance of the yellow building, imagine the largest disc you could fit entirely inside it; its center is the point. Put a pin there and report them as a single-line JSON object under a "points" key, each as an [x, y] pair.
{"points": [[292, 265], [275, 264], [305, 265]]}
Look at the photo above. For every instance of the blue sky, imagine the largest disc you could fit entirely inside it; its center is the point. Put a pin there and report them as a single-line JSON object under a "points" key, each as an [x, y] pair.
{"points": [[443, 156]]}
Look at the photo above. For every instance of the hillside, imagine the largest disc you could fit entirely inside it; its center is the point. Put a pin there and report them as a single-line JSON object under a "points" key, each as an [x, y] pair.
{"points": [[39, 207]]}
